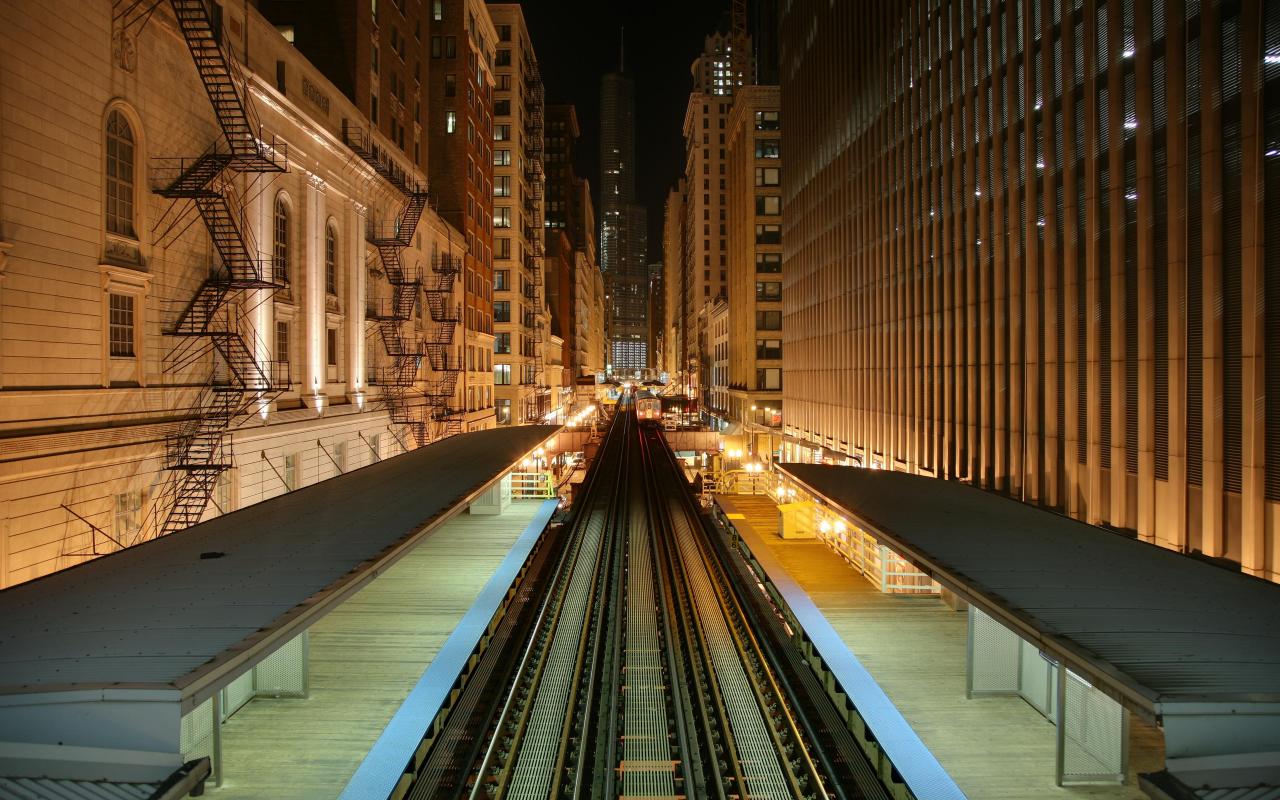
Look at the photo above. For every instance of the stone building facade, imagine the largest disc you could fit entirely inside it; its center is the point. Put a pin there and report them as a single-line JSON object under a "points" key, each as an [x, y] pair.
{"points": [[100, 270]]}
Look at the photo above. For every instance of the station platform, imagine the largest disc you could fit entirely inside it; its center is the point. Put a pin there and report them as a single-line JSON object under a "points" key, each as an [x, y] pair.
{"points": [[274, 642], [914, 647], [366, 656]]}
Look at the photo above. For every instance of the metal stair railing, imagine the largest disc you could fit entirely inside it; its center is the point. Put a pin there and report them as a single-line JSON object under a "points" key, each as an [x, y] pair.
{"points": [[213, 323]]}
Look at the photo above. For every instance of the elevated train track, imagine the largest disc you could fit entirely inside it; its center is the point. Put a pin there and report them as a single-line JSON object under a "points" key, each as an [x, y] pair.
{"points": [[639, 658]]}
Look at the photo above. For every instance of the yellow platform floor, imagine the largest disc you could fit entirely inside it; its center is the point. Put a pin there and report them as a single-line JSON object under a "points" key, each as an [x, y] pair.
{"points": [[914, 647], [365, 657]]}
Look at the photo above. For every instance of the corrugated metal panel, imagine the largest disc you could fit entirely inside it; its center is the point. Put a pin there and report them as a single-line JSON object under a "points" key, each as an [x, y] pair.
{"points": [[155, 613], [1152, 621], [47, 789]]}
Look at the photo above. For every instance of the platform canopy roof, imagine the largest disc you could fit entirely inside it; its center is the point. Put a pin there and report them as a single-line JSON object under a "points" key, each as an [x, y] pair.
{"points": [[1168, 635], [191, 610]]}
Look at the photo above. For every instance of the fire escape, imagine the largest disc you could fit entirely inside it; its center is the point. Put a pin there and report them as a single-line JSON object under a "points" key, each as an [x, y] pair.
{"points": [[427, 412], [539, 403], [215, 322]]}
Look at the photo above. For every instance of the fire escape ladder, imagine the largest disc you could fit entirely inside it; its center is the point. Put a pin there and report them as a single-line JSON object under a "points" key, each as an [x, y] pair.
{"points": [[426, 413], [221, 80], [215, 321]]}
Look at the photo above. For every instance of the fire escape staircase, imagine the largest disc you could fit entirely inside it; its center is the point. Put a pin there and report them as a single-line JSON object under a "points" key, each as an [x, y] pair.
{"points": [[426, 412], [214, 322]]}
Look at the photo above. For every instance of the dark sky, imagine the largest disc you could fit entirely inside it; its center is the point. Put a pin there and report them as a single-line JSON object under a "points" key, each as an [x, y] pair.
{"points": [[577, 43]]}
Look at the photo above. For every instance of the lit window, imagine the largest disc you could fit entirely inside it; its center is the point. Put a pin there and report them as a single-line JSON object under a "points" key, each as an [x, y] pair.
{"points": [[502, 374], [450, 122]]}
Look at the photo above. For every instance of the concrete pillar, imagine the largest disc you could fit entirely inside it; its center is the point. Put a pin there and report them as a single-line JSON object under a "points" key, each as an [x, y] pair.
{"points": [[1173, 533], [313, 310], [261, 316], [1092, 210], [1213, 539], [1146, 280], [1253, 551], [356, 283]]}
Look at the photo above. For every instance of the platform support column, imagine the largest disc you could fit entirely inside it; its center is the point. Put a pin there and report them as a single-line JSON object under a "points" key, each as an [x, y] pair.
{"points": [[494, 501]]}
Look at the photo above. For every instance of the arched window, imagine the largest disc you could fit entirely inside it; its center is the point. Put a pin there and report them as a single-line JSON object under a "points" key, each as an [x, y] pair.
{"points": [[280, 243], [120, 162], [331, 260]]}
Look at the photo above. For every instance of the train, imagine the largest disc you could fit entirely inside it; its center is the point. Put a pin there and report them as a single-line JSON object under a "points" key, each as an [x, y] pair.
{"points": [[648, 407]]}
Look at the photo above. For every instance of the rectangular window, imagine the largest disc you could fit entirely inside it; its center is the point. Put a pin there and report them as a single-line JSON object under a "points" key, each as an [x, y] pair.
{"points": [[331, 346], [121, 327], [503, 83], [128, 516], [450, 85], [768, 263], [502, 133], [290, 473], [502, 158], [768, 206], [768, 348], [450, 122], [502, 374], [502, 217], [502, 186], [768, 290], [769, 320], [768, 148], [504, 33], [375, 447], [282, 342], [437, 46], [502, 343], [502, 108], [450, 47], [502, 248], [501, 310], [502, 58], [768, 176], [502, 280], [437, 10], [502, 411], [767, 121], [768, 234], [769, 379], [222, 492]]}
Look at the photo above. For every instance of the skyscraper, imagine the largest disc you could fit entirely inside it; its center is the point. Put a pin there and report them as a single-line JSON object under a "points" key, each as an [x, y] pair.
{"points": [[1060, 286], [623, 226]]}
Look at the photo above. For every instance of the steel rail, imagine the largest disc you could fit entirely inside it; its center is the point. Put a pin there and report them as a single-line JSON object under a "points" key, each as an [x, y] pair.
{"points": [[710, 705], [516, 702], [763, 682], [540, 740]]}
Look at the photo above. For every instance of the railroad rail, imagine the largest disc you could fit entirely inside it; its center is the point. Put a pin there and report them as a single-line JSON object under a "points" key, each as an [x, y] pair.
{"points": [[639, 659]]}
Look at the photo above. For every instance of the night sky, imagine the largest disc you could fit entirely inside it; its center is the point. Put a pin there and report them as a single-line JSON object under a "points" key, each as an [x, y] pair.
{"points": [[577, 43]]}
